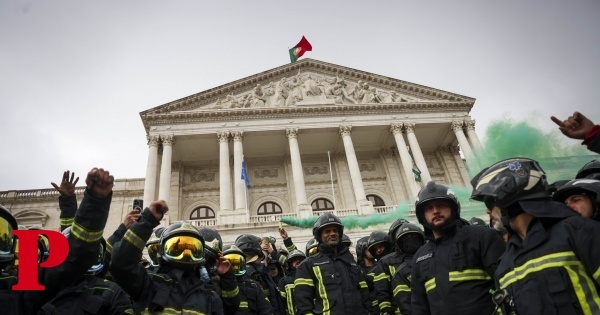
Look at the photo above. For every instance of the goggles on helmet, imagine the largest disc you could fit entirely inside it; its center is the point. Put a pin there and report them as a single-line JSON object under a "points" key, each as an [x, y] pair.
{"points": [[6, 238], [238, 263], [184, 249]]}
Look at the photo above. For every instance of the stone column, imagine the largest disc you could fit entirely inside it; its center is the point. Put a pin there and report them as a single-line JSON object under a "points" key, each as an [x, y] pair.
{"points": [[150, 181], [457, 127], [359, 191], [416, 152], [302, 208], [238, 183], [475, 143], [405, 159], [224, 171], [164, 187]]}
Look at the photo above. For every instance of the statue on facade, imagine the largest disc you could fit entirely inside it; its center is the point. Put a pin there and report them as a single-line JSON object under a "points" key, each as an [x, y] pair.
{"points": [[256, 98], [312, 86]]}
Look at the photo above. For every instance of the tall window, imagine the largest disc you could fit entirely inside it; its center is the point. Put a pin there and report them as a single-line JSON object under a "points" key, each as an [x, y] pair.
{"points": [[377, 202], [321, 204], [202, 212], [269, 208]]}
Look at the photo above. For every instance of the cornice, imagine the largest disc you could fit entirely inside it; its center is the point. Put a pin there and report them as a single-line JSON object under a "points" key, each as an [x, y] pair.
{"points": [[301, 112]]}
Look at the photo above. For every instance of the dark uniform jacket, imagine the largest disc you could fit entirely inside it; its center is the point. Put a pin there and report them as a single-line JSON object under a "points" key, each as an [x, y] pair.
{"points": [[168, 289], [286, 289], [255, 271], [11, 301], [555, 269], [92, 295], [453, 274], [252, 298], [392, 287], [331, 284]]}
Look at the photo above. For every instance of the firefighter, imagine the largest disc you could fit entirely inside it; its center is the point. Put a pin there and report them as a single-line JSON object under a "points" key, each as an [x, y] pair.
{"points": [[252, 298], [286, 284], [175, 286], [551, 263], [392, 273], [452, 273], [581, 195], [330, 281]]}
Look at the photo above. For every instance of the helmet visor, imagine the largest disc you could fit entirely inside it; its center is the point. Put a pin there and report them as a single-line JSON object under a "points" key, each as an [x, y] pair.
{"points": [[313, 251], [238, 263], [184, 249], [6, 238]]}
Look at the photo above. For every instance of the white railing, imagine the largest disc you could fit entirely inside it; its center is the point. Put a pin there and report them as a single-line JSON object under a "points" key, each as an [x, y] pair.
{"points": [[385, 209], [271, 217], [203, 222]]}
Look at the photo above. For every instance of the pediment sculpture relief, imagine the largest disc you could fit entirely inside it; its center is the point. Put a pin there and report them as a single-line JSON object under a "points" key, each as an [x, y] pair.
{"points": [[309, 89]]}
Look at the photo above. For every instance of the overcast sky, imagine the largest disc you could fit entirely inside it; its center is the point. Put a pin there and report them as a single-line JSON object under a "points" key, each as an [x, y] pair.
{"points": [[74, 75]]}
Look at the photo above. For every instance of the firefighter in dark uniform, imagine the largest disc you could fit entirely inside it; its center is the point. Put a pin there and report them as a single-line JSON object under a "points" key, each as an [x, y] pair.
{"points": [[252, 298], [551, 265], [10, 300], [392, 272], [286, 284], [256, 270], [330, 282], [581, 195], [91, 294], [175, 287], [378, 246], [452, 273]]}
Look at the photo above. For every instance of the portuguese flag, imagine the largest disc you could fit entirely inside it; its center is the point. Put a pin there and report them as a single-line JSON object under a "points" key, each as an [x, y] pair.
{"points": [[299, 50]]}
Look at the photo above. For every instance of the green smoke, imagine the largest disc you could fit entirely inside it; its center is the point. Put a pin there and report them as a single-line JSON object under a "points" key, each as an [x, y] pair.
{"points": [[353, 222], [560, 157]]}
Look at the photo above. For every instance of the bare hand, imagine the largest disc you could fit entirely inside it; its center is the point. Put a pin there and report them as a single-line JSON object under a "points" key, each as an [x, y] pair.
{"points": [[267, 248], [99, 182], [131, 217], [283, 233], [575, 127], [159, 208], [67, 186], [223, 265]]}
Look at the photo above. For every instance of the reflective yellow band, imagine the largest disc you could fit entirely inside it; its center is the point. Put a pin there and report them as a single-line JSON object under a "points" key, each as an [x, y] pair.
{"points": [[230, 294], [243, 304], [282, 259], [170, 310], [135, 240], [304, 281], [597, 275], [401, 288], [380, 277], [291, 247], [289, 291], [85, 235], [469, 275], [108, 247], [363, 284], [392, 270], [429, 285], [584, 286], [66, 221], [385, 304], [321, 290]]}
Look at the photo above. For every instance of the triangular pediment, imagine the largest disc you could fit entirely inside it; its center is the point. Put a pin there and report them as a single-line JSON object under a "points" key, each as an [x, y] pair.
{"points": [[306, 83]]}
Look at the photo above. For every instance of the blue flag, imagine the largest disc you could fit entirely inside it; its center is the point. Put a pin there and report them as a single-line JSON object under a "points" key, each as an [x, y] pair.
{"points": [[245, 175]]}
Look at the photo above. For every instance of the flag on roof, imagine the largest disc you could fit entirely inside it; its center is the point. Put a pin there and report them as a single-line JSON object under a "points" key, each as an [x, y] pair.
{"points": [[299, 50]]}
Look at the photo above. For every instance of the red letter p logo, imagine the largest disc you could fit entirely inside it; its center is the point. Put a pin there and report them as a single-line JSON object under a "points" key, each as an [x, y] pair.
{"points": [[27, 278]]}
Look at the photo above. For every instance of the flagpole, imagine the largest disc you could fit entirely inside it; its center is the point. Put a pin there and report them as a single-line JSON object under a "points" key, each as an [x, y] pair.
{"points": [[246, 193], [331, 176]]}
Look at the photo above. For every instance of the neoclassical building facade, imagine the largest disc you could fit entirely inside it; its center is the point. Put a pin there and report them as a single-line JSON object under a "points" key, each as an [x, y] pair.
{"points": [[314, 137]]}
